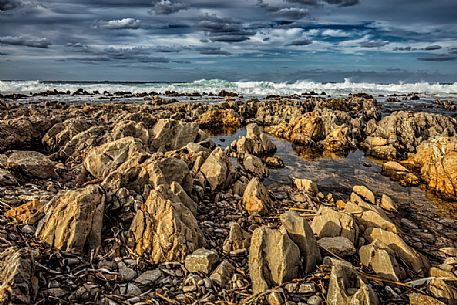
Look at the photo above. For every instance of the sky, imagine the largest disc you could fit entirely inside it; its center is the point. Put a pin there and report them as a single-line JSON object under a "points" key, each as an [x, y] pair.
{"points": [[252, 40]]}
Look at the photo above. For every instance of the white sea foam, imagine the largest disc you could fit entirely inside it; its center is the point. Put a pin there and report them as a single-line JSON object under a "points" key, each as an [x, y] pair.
{"points": [[249, 88]]}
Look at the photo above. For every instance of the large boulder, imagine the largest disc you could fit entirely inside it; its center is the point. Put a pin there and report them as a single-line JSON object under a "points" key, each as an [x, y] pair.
{"points": [[273, 259], [16, 272], [301, 233], [381, 259], [255, 142], [218, 170], [330, 223], [164, 229], [255, 166], [15, 133], [32, 164], [437, 160], [61, 133], [169, 134], [6, 178], [256, 198], [73, 221], [219, 118]]}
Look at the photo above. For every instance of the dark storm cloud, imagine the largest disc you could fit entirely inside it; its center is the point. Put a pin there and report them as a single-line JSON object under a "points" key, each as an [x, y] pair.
{"points": [[167, 7], [432, 47], [25, 41], [124, 23], [373, 44], [291, 13], [303, 42], [8, 5], [438, 58], [223, 29], [212, 51], [342, 3]]}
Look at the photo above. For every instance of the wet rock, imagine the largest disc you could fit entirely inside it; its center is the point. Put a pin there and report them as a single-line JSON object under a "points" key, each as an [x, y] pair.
{"points": [[381, 260], [222, 275], [237, 239], [340, 246], [16, 272], [365, 193], [6, 178], [164, 229], [32, 164], [401, 249], [255, 166], [201, 260], [437, 159], [398, 172], [255, 142], [256, 198], [219, 118], [169, 134], [330, 223], [422, 299], [149, 277], [338, 140], [29, 213], [217, 170], [301, 233], [306, 185], [273, 259], [343, 279], [388, 204], [73, 220]]}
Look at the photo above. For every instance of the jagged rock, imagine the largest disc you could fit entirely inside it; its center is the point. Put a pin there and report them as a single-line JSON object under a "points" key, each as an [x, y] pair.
{"points": [[388, 204], [15, 133], [237, 239], [133, 129], [342, 278], [398, 172], [149, 277], [256, 198], [32, 164], [125, 273], [301, 233], [364, 192], [30, 212], [177, 189], [255, 166], [167, 170], [219, 118], [223, 274], [274, 162], [201, 260], [401, 249], [369, 215], [444, 272], [169, 134], [443, 289], [422, 299], [273, 259], [73, 220], [164, 229], [338, 140], [255, 142], [218, 170], [339, 245], [104, 159], [437, 160], [16, 272], [76, 149], [330, 223], [6, 178], [381, 260], [306, 185], [61, 133]]}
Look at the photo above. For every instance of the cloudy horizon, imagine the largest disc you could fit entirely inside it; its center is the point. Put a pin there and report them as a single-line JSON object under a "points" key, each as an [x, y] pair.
{"points": [[275, 40]]}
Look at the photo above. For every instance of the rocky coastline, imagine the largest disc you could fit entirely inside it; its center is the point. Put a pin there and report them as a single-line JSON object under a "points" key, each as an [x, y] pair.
{"points": [[131, 200]]}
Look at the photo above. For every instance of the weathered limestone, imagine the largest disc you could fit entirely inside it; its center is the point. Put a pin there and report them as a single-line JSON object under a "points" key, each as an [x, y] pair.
{"points": [[255, 142], [73, 221], [169, 134], [164, 229], [201, 260], [330, 223], [6, 178], [30, 212], [256, 198], [255, 166], [167, 170], [381, 260], [237, 239], [223, 274], [217, 170], [398, 172], [339, 245], [219, 118], [388, 204], [306, 185], [32, 164], [364, 192]]}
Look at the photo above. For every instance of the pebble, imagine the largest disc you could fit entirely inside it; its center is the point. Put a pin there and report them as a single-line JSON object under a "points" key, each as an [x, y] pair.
{"points": [[315, 300]]}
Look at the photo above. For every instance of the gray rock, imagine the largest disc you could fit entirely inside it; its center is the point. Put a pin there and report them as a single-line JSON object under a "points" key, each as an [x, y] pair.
{"points": [[255, 166], [218, 170], [256, 198], [149, 277], [223, 274], [32, 164], [6, 178], [330, 223], [201, 260], [340, 246], [381, 260]]}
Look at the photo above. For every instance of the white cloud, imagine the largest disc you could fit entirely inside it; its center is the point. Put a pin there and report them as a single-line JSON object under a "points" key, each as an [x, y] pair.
{"points": [[125, 23]]}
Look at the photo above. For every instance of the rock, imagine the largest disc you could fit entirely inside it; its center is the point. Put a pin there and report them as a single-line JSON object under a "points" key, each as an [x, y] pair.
{"points": [[422, 299], [255, 166], [127, 128], [275, 298], [256, 198], [201, 260], [401, 249], [255, 142], [398, 172], [73, 221], [343, 279], [443, 289], [16, 272], [29, 213], [61, 133], [381, 260], [274, 162], [437, 160], [166, 171], [441, 272], [164, 229], [222, 275], [177, 189], [338, 140], [217, 170], [314, 300], [237, 239], [149, 277], [132, 290], [15, 133], [340, 246], [449, 251], [104, 159], [125, 273], [306, 185], [169, 134], [365, 193], [330, 223], [273, 259], [388, 204], [219, 118], [6, 178], [370, 216], [301, 233], [32, 164]]}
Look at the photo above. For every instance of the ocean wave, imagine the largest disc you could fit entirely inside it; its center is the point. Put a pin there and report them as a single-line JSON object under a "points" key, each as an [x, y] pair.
{"points": [[249, 88]]}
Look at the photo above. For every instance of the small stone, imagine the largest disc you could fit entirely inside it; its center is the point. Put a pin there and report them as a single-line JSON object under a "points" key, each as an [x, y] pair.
{"points": [[314, 300], [388, 204], [223, 273], [449, 251], [307, 288], [133, 290], [275, 298], [340, 246], [28, 229], [364, 192], [149, 277], [306, 185], [189, 288], [125, 273], [201, 260]]}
